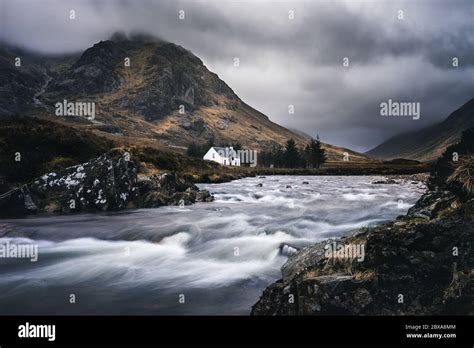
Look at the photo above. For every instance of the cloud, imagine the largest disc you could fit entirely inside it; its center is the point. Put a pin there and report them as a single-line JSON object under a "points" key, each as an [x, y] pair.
{"points": [[286, 61]]}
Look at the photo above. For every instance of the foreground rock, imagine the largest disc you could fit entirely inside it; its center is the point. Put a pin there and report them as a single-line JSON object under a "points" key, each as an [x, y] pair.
{"points": [[168, 189], [422, 263], [385, 182], [402, 179], [107, 183]]}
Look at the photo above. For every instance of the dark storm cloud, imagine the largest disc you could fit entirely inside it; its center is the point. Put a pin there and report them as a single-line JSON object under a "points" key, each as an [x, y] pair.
{"points": [[297, 61]]}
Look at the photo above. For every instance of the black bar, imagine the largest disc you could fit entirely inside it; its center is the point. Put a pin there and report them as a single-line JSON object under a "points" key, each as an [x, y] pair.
{"points": [[141, 330]]}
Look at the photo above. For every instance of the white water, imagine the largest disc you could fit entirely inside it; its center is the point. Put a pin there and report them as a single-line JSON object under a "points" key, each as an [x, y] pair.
{"points": [[140, 261]]}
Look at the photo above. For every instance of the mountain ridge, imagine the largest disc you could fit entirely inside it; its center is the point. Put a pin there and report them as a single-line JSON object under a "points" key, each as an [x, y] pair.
{"points": [[145, 100], [428, 143]]}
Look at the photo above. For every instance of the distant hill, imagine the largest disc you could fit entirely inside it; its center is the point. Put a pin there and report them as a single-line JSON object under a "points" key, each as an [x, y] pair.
{"points": [[429, 143], [142, 102]]}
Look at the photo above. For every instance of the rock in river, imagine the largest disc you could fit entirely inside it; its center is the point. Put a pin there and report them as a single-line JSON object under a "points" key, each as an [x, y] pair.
{"points": [[106, 183]]}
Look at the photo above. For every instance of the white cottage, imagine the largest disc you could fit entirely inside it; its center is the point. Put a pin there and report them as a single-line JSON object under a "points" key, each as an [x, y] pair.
{"points": [[225, 156]]}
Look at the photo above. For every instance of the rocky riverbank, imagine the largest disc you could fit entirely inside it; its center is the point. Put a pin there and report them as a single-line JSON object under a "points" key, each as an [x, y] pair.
{"points": [[420, 264], [107, 183]]}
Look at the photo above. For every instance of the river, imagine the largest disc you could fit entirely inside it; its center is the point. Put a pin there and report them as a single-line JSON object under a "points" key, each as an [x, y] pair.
{"points": [[208, 258]]}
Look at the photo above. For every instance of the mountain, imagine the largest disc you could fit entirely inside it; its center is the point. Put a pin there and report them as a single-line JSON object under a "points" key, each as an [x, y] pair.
{"points": [[428, 143], [165, 97]]}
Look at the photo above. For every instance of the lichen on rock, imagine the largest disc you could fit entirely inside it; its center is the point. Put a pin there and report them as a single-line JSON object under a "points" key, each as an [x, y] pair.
{"points": [[106, 183]]}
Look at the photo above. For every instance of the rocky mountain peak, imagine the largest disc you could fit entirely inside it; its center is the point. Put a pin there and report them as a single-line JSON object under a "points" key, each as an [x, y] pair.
{"points": [[162, 76], [147, 88], [106, 53]]}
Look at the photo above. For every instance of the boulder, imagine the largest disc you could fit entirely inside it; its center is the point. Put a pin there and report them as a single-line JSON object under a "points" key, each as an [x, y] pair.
{"points": [[169, 189], [107, 183], [431, 203], [384, 182], [198, 125]]}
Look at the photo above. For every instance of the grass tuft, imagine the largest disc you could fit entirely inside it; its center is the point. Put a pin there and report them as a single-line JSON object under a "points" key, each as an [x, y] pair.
{"points": [[464, 175]]}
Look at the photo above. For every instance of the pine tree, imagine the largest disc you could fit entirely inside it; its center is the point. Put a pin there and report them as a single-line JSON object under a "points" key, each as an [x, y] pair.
{"points": [[210, 142], [196, 150], [317, 153], [291, 158], [307, 156], [278, 156], [193, 150]]}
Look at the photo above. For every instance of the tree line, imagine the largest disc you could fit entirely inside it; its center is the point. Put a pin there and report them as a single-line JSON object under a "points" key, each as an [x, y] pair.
{"points": [[290, 156]]}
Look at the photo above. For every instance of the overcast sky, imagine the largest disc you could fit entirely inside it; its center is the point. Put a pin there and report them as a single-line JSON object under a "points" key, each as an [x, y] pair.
{"points": [[291, 61]]}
